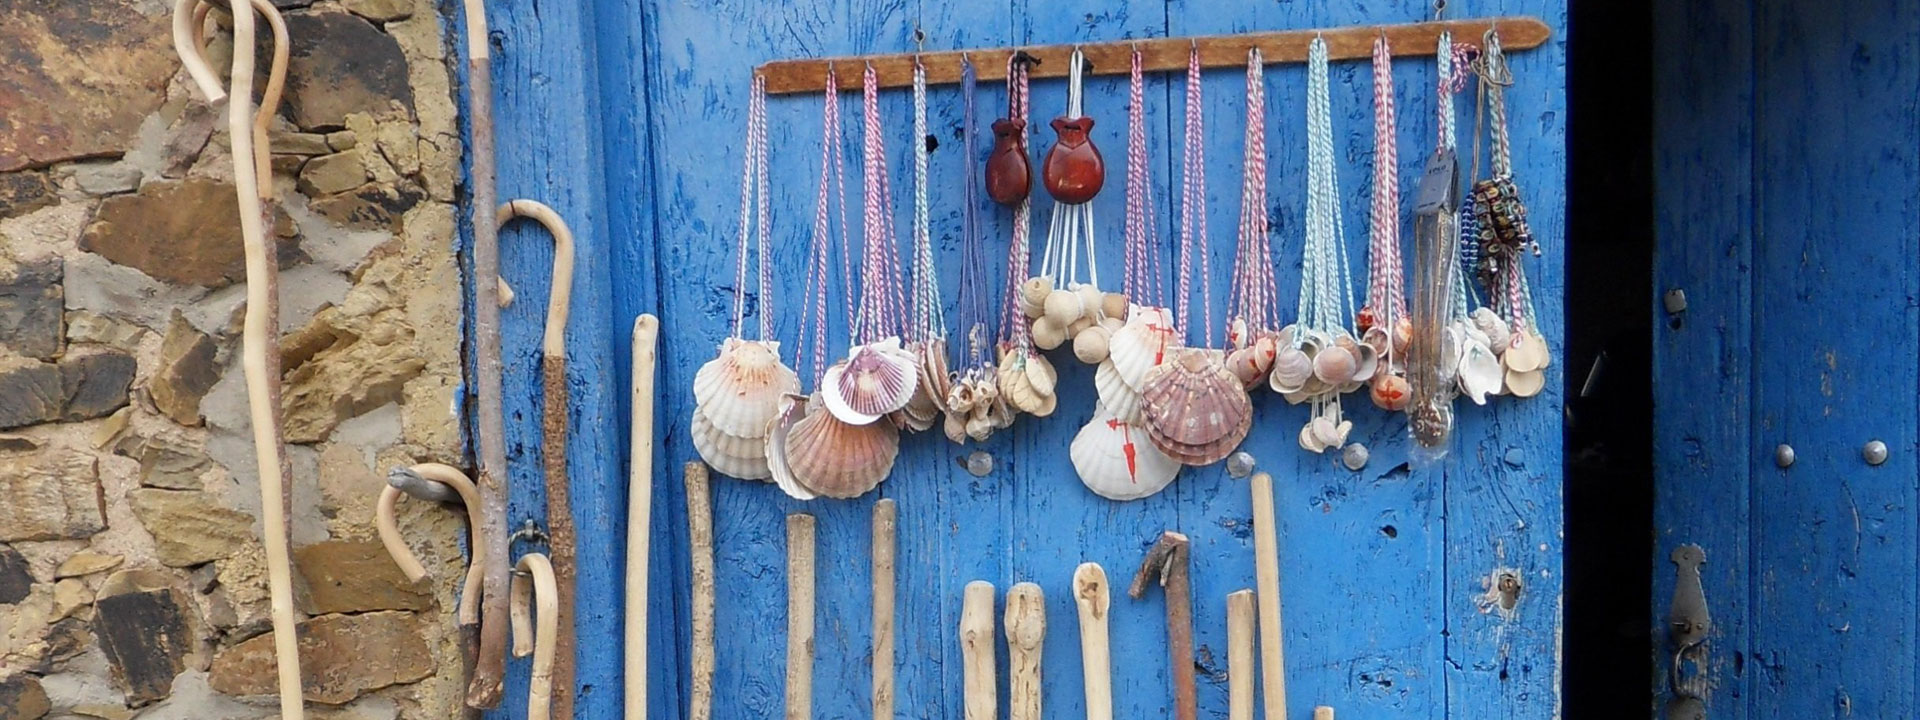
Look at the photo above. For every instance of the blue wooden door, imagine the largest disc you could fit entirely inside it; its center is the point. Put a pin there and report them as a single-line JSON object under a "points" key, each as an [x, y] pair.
{"points": [[625, 116], [1787, 138]]}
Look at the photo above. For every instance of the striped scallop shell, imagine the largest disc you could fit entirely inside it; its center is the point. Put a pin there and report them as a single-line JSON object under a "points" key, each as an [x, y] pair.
{"points": [[1142, 343], [731, 455], [840, 460], [874, 380], [793, 408], [1196, 409], [740, 389], [1118, 461]]}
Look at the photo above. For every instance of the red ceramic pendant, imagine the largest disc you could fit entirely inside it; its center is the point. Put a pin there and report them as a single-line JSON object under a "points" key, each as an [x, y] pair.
{"points": [[1074, 171], [1009, 175]]}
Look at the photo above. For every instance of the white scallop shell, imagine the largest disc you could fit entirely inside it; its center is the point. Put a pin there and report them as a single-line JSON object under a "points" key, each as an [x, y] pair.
{"points": [[733, 456], [874, 380], [793, 408], [1117, 461], [1140, 344], [1119, 399], [1480, 372], [740, 389]]}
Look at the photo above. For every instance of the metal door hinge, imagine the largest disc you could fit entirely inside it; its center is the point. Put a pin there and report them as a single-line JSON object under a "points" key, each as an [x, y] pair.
{"points": [[1688, 625]]}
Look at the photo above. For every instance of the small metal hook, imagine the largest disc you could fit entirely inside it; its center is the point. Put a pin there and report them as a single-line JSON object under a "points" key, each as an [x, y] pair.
{"points": [[1439, 9], [1022, 57]]}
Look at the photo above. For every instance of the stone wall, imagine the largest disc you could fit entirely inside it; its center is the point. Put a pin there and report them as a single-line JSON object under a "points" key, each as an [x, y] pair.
{"points": [[132, 584]]}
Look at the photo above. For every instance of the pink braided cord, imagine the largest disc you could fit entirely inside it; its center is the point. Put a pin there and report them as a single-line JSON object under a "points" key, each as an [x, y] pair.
{"points": [[881, 307], [1386, 278], [831, 169], [1015, 332], [1252, 294], [1193, 205]]}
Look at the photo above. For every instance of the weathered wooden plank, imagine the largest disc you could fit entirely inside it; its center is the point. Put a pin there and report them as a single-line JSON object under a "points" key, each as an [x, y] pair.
{"points": [[1703, 460], [1163, 54], [548, 129], [1835, 326]]}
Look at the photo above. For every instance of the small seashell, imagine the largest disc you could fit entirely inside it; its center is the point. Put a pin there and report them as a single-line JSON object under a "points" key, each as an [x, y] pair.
{"points": [[1092, 344], [1526, 384], [960, 397], [1063, 307], [1246, 366], [980, 426], [793, 408], [1033, 296], [1041, 375], [1335, 365], [1368, 362], [935, 378], [1113, 306], [1048, 334], [1329, 433], [1016, 388], [840, 460], [1525, 353], [1092, 302], [740, 389], [955, 427], [1390, 392], [1480, 372], [1402, 335], [874, 380], [1497, 332], [1309, 441], [1238, 333], [1196, 410], [743, 458], [1118, 461], [1047, 405]]}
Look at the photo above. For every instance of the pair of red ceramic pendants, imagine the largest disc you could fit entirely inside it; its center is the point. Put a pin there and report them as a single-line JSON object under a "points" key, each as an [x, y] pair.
{"points": [[1073, 172]]}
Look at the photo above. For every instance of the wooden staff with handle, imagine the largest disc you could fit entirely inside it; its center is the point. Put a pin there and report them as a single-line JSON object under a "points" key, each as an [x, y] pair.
{"points": [[886, 521], [1240, 655], [977, 653], [1026, 631], [1091, 594], [1167, 561], [1266, 559], [260, 338], [545, 594], [800, 572], [646, 339], [700, 538]]}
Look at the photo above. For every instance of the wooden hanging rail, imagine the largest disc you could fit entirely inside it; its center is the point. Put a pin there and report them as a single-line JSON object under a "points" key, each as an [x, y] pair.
{"points": [[1156, 54]]}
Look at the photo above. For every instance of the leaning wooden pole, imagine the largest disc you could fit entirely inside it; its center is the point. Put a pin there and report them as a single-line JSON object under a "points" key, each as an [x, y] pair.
{"points": [[886, 523], [260, 339], [553, 427], [489, 670], [646, 361], [700, 547], [1266, 559], [800, 595]]}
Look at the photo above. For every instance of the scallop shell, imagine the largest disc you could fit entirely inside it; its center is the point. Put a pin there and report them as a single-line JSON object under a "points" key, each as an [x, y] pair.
{"points": [[1116, 397], [1063, 307], [1335, 365], [1118, 461], [1292, 368], [1196, 410], [1048, 334], [1093, 344], [740, 389], [1526, 384], [1480, 372], [1402, 335], [793, 408], [730, 455], [838, 459], [1033, 296], [873, 381], [1139, 345], [919, 414], [1390, 392], [935, 378]]}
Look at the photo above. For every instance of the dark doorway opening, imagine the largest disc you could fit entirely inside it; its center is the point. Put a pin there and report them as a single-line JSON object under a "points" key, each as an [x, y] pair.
{"points": [[1609, 480]]}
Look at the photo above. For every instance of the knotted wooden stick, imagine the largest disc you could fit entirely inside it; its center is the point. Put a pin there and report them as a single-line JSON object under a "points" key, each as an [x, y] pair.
{"points": [[977, 652], [1026, 632], [646, 337], [536, 567], [886, 521], [1168, 562], [1091, 595], [800, 573], [437, 475], [260, 339]]}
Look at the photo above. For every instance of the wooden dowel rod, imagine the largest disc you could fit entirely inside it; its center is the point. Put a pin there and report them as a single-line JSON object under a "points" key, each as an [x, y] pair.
{"points": [[646, 360], [1156, 54], [700, 540], [886, 518], [800, 574], [1240, 655], [1323, 713], [1266, 556]]}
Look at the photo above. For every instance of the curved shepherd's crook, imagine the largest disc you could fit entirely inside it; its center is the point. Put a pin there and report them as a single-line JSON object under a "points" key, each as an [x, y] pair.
{"points": [[402, 481], [553, 424], [535, 567], [260, 343]]}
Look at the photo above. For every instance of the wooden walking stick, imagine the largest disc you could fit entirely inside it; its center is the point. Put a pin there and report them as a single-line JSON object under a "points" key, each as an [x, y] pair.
{"points": [[800, 569], [1266, 558], [1091, 594], [417, 478], [976, 652], [536, 567], [553, 425], [1168, 562], [886, 521], [260, 339], [700, 538], [1026, 630], [646, 359], [1240, 655], [1323, 713]]}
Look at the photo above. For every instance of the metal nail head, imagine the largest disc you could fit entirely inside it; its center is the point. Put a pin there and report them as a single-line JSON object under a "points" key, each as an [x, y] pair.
{"points": [[1783, 455], [1875, 452]]}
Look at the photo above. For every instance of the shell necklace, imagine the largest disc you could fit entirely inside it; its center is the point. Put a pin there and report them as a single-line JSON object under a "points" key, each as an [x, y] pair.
{"points": [[1252, 333], [1113, 453], [739, 392], [1503, 236], [1320, 358], [1025, 380], [927, 335], [812, 451], [1196, 410], [1439, 297], [1074, 173], [973, 394], [1383, 323]]}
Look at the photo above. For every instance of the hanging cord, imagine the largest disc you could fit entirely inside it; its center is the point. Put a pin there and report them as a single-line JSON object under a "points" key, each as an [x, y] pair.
{"points": [[929, 319], [1143, 282], [880, 312], [1070, 226], [1386, 273], [832, 174], [1252, 295], [1455, 68], [754, 218], [1193, 206], [1014, 328], [1332, 281], [976, 313]]}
